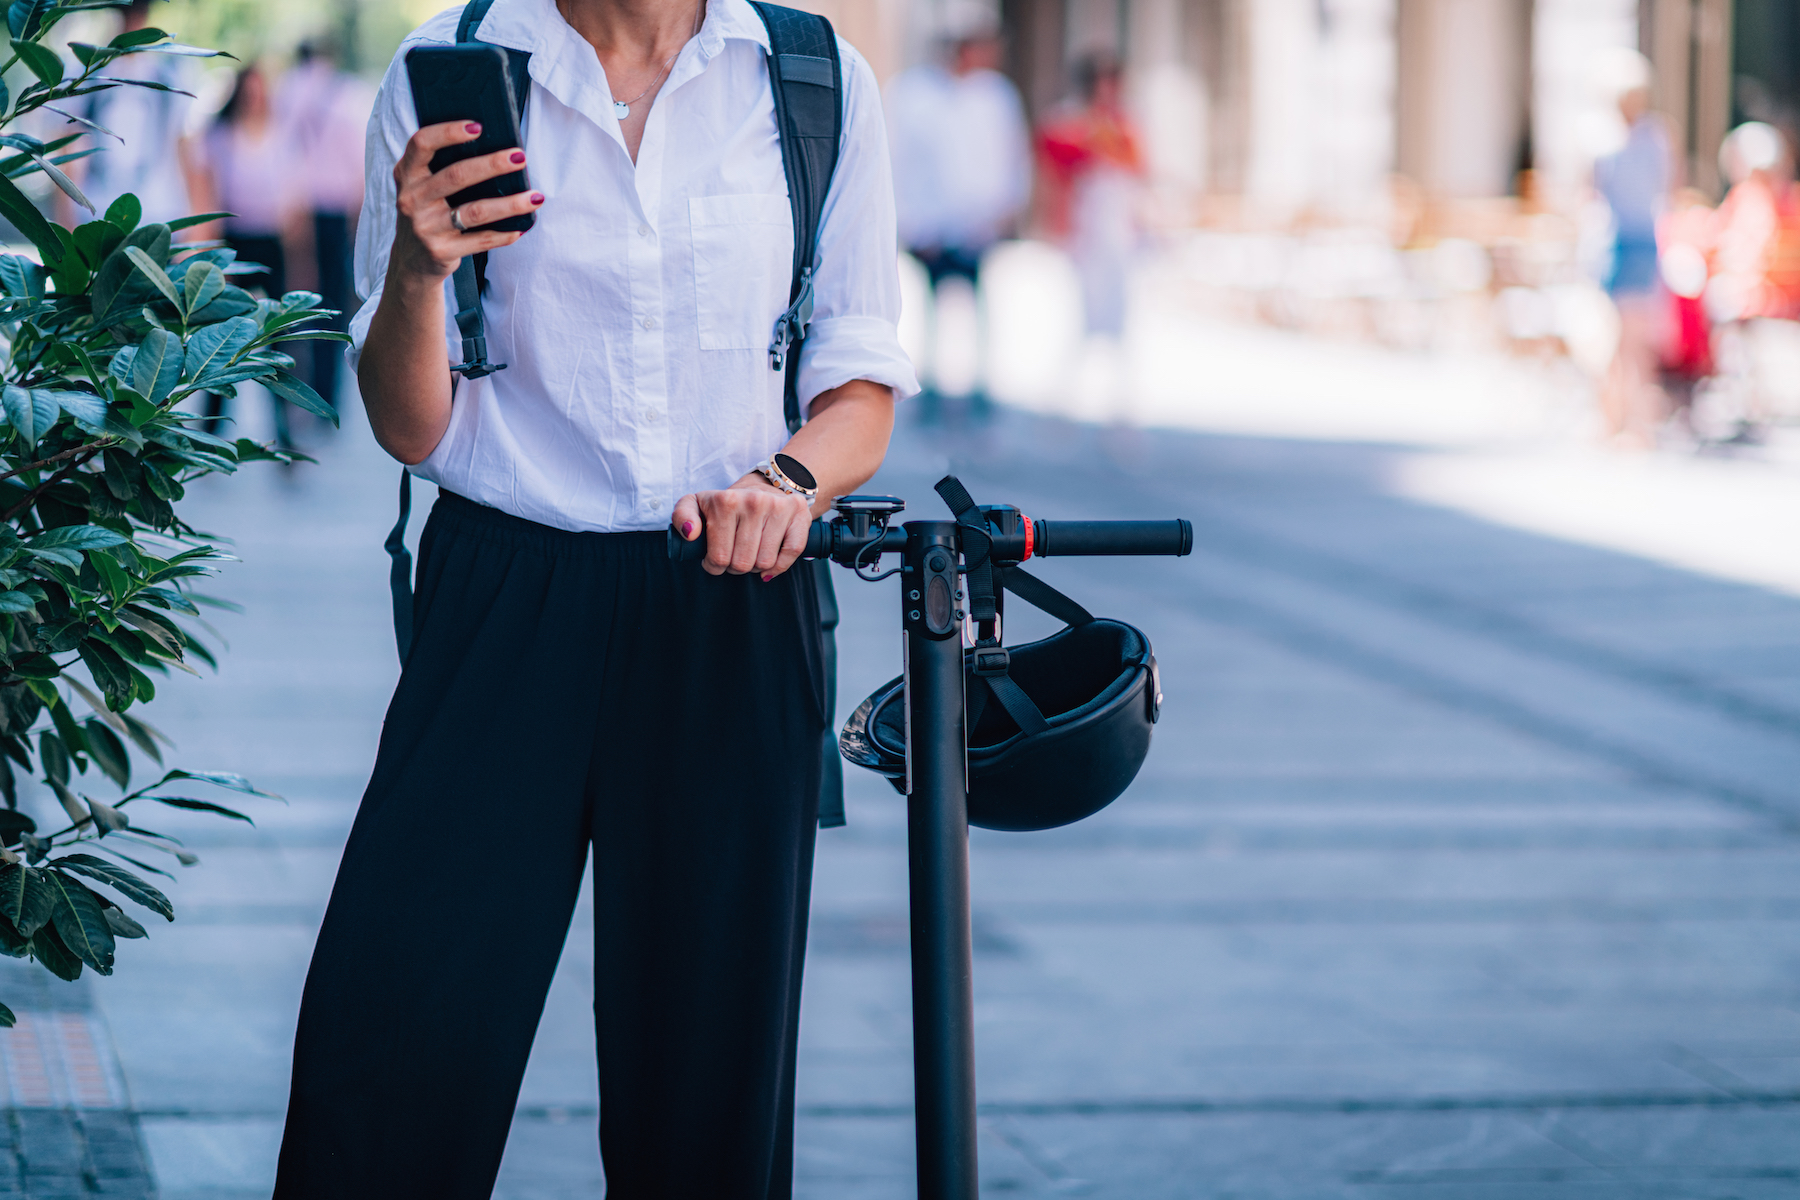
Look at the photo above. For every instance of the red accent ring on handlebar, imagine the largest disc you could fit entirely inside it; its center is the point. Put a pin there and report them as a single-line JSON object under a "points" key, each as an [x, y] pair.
{"points": [[1030, 535]]}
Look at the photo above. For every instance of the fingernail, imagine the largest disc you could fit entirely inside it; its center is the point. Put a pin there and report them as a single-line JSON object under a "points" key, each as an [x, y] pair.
{"points": [[537, 197], [687, 529], [472, 127], [518, 156], [766, 578]]}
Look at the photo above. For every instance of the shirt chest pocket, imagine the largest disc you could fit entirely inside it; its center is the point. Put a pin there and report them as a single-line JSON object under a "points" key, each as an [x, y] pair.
{"points": [[743, 261]]}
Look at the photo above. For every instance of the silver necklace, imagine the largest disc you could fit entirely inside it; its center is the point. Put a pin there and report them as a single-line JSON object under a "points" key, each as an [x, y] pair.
{"points": [[622, 108]]}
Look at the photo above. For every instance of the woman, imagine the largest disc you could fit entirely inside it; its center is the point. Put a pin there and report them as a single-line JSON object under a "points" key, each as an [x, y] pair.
{"points": [[568, 685], [240, 166], [1635, 182], [1095, 168]]}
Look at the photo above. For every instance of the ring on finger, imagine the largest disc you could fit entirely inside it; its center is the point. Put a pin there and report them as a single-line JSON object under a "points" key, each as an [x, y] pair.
{"points": [[456, 221]]}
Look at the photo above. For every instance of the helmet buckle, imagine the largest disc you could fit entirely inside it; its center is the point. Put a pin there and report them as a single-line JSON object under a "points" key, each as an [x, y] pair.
{"points": [[990, 661]]}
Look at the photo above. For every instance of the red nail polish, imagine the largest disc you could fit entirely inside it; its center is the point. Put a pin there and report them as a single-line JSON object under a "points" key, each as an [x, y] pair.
{"points": [[766, 578], [518, 156], [472, 127], [537, 197], [687, 529]]}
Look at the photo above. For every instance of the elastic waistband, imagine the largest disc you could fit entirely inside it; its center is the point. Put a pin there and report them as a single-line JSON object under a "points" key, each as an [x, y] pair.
{"points": [[470, 518]]}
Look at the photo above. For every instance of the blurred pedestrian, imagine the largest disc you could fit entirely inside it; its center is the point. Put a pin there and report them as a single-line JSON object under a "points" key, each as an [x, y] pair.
{"points": [[962, 173], [1093, 168], [1635, 181], [241, 165], [141, 155], [1756, 264], [321, 111]]}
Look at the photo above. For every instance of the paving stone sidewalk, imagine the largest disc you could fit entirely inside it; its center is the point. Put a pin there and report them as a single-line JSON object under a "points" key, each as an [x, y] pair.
{"points": [[1464, 865]]}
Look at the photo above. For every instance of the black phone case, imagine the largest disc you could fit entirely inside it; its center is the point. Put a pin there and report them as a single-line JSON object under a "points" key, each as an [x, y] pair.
{"points": [[469, 83]]}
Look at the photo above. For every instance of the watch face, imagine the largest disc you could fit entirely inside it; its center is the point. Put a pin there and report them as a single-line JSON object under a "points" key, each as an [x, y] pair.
{"points": [[794, 471]]}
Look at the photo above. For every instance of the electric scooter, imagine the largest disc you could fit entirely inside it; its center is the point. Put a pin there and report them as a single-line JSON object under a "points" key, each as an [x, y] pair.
{"points": [[935, 557]]}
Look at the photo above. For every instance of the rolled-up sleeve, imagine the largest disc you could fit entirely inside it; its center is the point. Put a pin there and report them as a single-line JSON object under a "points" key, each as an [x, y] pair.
{"points": [[856, 287], [391, 125]]}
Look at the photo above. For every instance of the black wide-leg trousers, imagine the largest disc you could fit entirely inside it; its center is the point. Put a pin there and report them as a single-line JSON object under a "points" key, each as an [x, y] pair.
{"points": [[567, 690]]}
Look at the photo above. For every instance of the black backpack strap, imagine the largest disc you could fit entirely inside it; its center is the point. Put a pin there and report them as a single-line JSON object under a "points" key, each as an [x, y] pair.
{"points": [[400, 569], [471, 272], [807, 79], [469, 282]]}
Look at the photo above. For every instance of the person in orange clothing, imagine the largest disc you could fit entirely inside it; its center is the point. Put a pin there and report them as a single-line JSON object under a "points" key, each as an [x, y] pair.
{"points": [[1092, 172], [1756, 261]]}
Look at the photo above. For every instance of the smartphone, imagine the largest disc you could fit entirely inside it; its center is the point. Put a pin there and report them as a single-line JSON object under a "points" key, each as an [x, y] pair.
{"points": [[470, 83]]}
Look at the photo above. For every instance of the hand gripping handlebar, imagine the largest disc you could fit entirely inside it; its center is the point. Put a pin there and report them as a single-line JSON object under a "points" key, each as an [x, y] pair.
{"points": [[1015, 541]]}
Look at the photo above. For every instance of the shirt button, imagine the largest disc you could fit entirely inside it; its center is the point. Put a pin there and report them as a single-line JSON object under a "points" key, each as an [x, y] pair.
{"points": [[643, 231], [653, 414], [649, 322]]}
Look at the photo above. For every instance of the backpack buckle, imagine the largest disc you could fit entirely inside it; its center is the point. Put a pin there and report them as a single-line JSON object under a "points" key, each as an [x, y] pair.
{"points": [[791, 325]]}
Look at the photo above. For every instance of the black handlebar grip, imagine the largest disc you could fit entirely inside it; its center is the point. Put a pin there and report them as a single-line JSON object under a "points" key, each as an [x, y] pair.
{"points": [[1068, 538], [818, 544]]}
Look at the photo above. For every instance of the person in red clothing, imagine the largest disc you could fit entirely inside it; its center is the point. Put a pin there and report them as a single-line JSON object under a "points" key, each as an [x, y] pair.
{"points": [[1092, 168]]}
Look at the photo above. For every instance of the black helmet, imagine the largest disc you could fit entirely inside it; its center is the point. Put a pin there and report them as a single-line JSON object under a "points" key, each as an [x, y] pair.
{"points": [[1068, 735]]}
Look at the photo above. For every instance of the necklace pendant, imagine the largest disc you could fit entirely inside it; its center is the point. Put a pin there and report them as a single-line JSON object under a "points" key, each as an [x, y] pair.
{"points": [[621, 109]]}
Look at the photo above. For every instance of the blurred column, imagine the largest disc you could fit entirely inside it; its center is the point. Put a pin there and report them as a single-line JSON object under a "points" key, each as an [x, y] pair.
{"points": [[1285, 106], [1688, 43], [1571, 123], [1168, 96], [1465, 94], [1356, 117]]}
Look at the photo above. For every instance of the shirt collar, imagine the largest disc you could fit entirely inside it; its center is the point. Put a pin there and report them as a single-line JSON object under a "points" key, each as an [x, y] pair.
{"points": [[536, 26]]}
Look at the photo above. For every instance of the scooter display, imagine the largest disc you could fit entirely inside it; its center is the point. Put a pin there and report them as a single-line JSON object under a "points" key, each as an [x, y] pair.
{"points": [[953, 575]]}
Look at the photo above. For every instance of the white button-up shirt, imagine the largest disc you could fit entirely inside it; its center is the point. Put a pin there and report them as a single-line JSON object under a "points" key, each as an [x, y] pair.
{"points": [[635, 317]]}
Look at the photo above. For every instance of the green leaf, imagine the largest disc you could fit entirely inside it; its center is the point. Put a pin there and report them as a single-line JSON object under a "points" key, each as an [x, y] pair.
{"points": [[143, 735], [202, 284], [30, 413], [7, 1019], [298, 393], [120, 289], [21, 277], [111, 673], [125, 212], [84, 408], [54, 756], [78, 816], [154, 273], [81, 922], [107, 819], [13, 823], [77, 537], [211, 350], [24, 18], [119, 879], [16, 602], [49, 949], [41, 62], [156, 367], [198, 806], [24, 898], [108, 751], [137, 37], [36, 666], [199, 219], [224, 779], [25, 217], [122, 925]]}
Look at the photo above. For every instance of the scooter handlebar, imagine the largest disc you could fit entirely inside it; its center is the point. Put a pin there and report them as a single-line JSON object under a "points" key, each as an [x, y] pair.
{"points": [[1062, 539], [1052, 539]]}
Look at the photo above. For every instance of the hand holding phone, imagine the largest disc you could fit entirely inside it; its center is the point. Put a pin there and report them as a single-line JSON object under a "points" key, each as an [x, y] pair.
{"points": [[470, 83], [459, 167]]}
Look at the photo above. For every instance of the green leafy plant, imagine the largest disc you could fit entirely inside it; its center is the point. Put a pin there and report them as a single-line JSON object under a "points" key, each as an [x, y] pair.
{"points": [[104, 333]]}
